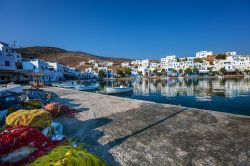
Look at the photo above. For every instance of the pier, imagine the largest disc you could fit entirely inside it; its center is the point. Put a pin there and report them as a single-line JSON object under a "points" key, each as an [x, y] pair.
{"points": [[131, 132]]}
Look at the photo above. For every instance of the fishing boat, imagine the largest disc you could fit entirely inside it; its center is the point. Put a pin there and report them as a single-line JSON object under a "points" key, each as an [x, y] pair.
{"points": [[121, 89], [16, 88], [67, 85], [85, 88]]}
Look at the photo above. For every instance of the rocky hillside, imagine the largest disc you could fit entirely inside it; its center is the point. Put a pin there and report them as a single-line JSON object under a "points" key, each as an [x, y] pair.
{"points": [[70, 58]]}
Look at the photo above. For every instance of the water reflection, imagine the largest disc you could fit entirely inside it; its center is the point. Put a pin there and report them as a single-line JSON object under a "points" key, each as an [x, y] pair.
{"points": [[229, 95], [201, 88]]}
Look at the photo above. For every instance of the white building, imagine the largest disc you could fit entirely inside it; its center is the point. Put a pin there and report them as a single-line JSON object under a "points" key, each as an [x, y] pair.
{"points": [[8, 57], [125, 64], [168, 60], [144, 70], [59, 70], [10, 61], [39, 67], [74, 73], [232, 53], [92, 61], [144, 62], [203, 54], [154, 66], [89, 73], [109, 72]]}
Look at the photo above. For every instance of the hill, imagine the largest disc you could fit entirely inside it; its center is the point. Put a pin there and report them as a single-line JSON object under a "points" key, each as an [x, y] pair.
{"points": [[71, 58]]}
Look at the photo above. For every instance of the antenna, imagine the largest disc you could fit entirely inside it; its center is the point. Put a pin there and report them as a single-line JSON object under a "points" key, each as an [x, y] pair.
{"points": [[14, 44]]}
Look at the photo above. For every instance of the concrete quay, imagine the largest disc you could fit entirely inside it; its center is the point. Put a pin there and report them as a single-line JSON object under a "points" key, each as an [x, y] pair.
{"points": [[131, 132]]}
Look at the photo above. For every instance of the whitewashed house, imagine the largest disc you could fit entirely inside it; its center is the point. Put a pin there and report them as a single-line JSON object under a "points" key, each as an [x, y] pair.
{"points": [[154, 66], [92, 61], [109, 72], [223, 64], [89, 73], [202, 67], [40, 67], [232, 53], [144, 62], [74, 73], [59, 70], [125, 64], [168, 60], [203, 54], [10, 61]]}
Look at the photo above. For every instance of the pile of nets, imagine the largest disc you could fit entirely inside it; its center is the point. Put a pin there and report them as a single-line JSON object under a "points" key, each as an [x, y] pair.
{"points": [[27, 105], [68, 155], [22, 144], [57, 109], [32, 104], [36, 118]]}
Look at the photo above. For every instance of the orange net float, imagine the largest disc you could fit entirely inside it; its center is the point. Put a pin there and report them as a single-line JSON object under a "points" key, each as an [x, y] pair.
{"points": [[57, 109]]}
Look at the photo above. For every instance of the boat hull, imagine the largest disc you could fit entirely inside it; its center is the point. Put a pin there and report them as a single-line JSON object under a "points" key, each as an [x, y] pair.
{"points": [[85, 88], [118, 90]]}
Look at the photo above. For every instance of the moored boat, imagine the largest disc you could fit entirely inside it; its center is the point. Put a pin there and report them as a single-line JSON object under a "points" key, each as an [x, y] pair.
{"points": [[121, 89], [16, 88], [67, 85], [85, 88]]}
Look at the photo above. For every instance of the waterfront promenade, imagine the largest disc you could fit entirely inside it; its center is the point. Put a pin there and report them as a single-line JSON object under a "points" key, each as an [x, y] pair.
{"points": [[131, 132]]}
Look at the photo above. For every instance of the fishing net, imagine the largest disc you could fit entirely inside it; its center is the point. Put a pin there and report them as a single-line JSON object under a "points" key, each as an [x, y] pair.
{"points": [[37, 118], [32, 104], [57, 109], [22, 144], [66, 155]]}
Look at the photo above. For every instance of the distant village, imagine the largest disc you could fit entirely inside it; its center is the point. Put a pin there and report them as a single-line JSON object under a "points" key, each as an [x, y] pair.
{"points": [[14, 68]]}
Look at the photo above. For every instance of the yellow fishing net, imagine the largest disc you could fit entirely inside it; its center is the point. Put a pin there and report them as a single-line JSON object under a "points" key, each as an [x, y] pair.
{"points": [[66, 155], [37, 118]]}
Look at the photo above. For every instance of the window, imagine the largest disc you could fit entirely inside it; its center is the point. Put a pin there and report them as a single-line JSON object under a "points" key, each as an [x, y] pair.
{"points": [[7, 63]]}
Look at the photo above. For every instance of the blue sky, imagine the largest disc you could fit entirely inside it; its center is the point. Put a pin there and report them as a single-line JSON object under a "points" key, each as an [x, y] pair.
{"points": [[129, 28]]}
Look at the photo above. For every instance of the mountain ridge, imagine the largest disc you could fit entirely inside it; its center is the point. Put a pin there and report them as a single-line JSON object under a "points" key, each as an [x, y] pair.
{"points": [[71, 58]]}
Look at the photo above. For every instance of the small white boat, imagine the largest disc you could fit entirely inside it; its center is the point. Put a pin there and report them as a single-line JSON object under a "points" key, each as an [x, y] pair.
{"points": [[83, 87], [121, 89], [67, 85], [16, 88], [55, 84]]}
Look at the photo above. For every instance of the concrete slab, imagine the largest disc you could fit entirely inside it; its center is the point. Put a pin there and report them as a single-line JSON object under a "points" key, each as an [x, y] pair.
{"points": [[131, 132]]}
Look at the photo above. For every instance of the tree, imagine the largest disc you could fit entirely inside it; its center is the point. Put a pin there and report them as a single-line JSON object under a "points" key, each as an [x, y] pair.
{"points": [[211, 71], [195, 70], [223, 70], [211, 63], [127, 71], [163, 71], [188, 71], [174, 71], [155, 72], [186, 59], [220, 56], [140, 73], [178, 60], [237, 71], [120, 73], [246, 71], [198, 60], [180, 71], [101, 74]]}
